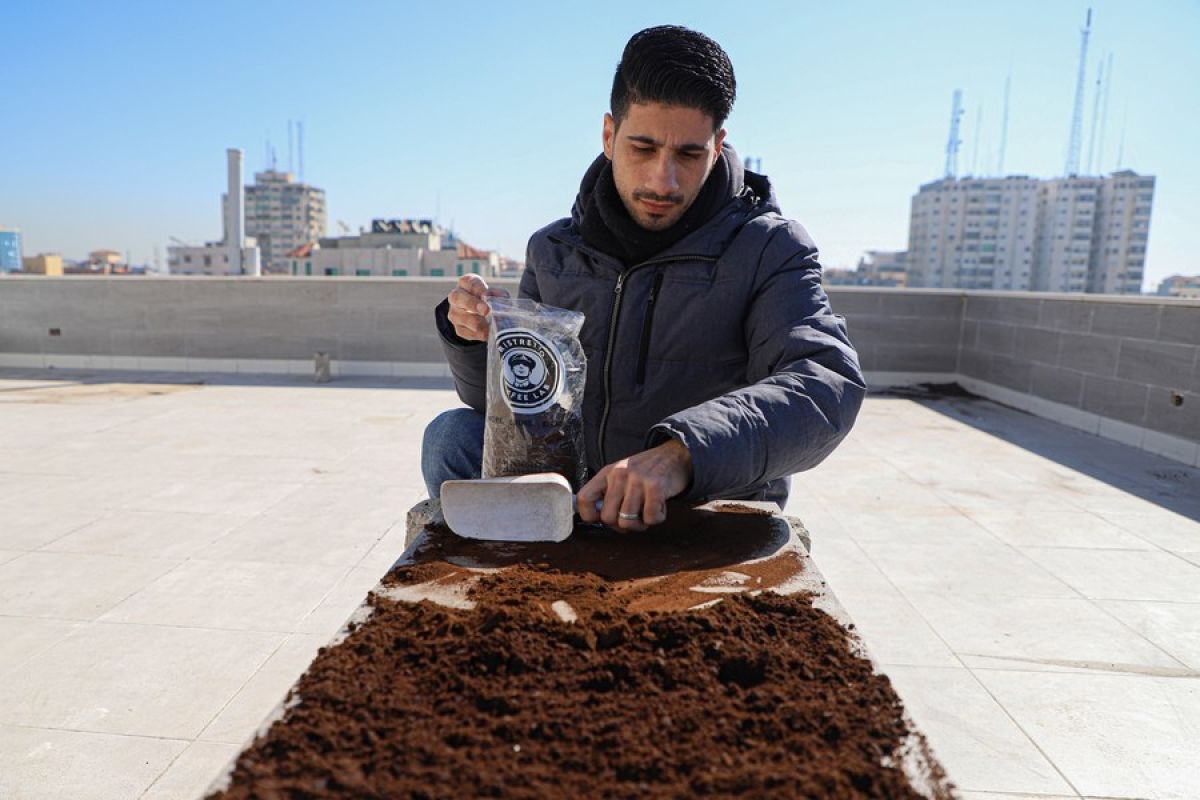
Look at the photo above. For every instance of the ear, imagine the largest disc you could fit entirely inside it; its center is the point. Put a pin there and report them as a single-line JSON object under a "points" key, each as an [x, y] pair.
{"points": [[720, 140], [610, 135]]}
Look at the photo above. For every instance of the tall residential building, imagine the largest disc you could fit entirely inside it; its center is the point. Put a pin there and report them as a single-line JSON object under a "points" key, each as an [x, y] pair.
{"points": [[973, 233], [10, 249], [283, 214], [1074, 234]]}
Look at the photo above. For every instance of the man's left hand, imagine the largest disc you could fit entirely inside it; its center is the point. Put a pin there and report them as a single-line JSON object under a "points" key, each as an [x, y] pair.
{"points": [[635, 490]]}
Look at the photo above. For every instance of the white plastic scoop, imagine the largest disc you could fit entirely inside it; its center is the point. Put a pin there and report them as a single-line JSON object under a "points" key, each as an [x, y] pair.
{"points": [[526, 508]]}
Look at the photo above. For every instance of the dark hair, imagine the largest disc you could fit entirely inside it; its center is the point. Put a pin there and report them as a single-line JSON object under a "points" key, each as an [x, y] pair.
{"points": [[677, 67]]}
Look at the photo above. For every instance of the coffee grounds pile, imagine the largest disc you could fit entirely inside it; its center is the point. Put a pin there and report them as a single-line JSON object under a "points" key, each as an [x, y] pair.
{"points": [[755, 696]]}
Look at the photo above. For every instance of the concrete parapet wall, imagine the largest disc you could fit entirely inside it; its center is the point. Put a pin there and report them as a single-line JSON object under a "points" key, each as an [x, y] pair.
{"points": [[1127, 368]]}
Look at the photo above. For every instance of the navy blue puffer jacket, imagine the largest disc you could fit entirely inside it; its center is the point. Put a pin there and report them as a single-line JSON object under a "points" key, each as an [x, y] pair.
{"points": [[725, 340]]}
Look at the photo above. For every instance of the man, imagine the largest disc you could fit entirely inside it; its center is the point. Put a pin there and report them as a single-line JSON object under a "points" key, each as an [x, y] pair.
{"points": [[716, 367], [522, 368]]}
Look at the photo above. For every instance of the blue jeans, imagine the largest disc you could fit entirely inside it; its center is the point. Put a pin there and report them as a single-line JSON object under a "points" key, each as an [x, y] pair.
{"points": [[452, 448]]}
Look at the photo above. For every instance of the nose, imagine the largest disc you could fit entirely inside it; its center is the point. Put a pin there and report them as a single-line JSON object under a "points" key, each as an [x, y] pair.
{"points": [[664, 178]]}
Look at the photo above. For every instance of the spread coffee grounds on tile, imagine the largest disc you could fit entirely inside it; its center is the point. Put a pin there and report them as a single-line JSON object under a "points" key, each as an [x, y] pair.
{"points": [[535, 381], [491, 692]]}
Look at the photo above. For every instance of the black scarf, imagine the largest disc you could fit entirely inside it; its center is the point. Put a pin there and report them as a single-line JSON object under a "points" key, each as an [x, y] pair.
{"points": [[607, 225]]}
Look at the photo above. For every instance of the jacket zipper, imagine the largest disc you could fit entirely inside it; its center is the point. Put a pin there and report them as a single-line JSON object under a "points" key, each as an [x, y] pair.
{"points": [[647, 325], [612, 337]]}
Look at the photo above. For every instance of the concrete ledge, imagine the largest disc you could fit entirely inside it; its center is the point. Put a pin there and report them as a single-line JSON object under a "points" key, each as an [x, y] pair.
{"points": [[297, 366]]}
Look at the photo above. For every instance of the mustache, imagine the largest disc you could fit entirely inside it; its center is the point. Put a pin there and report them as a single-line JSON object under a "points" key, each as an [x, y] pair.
{"points": [[642, 194]]}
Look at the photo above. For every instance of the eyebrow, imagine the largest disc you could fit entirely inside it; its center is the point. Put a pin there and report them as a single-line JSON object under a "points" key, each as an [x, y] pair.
{"points": [[690, 147]]}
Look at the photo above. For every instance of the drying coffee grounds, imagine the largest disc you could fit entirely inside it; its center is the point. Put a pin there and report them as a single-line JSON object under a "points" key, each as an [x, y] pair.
{"points": [[756, 696]]}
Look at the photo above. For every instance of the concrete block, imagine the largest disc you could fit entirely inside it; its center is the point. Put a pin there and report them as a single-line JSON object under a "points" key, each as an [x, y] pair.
{"points": [[21, 340], [941, 331], [1163, 444], [1054, 383], [866, 355], [23, 360], [411, 369], [1071, 417], [849, 302], [65, 361], [1181, 420], [73, 340], [384, 369], [1134, 321], [1122, 432], [1066, 315], [1085, 352], [997, 337], [974, 364], [100, 362], [211, 365], [1038, 345], [1011, 373], [926, 306], [162, 363], [1180, 324], [915, 358], [1016, 310], [968, 337], [150, 344], [123, 362], [1120, 400], [1157, 363]]}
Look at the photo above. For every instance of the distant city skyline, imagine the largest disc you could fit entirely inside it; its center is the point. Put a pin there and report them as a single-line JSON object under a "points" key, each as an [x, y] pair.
{"points": [[486, 120]]}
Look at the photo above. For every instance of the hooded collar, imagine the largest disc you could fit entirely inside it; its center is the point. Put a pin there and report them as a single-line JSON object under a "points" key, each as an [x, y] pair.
{"points": [[730, 196]]}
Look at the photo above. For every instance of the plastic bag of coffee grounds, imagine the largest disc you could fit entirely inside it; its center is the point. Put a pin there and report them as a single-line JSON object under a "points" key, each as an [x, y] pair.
{"points": [[535, 378]]}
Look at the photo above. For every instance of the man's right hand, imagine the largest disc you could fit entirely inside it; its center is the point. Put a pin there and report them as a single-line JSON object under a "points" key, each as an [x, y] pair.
{"points": [[469, 309]]}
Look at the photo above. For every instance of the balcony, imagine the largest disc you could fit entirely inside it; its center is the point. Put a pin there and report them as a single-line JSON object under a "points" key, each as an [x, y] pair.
{"points": [[185, 517]]}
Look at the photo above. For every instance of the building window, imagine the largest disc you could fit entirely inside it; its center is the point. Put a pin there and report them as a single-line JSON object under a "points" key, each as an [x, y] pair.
{"points": [[330, 271], [399, 273], [362, 272], [460, 269], [308, 268], [437, 272]]}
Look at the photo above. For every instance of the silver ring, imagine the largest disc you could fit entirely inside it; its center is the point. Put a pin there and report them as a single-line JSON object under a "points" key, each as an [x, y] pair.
{"points": [[629, 517]]}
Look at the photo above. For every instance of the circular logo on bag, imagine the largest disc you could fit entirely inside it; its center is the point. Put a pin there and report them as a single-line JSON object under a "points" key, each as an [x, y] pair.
{"points": [[532, 370]]}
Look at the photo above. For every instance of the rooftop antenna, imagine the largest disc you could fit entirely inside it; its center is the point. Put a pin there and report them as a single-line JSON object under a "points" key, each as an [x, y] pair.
{"points": [[953, 142], [291, 161], [1095, 117], [1004, 127], [1104, 113], [1121, 147], [300, 147], [1074, 142], [975, 148]]}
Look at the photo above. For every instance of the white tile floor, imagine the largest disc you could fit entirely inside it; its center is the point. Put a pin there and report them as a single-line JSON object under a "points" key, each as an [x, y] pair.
{"points": [[172, 555]]}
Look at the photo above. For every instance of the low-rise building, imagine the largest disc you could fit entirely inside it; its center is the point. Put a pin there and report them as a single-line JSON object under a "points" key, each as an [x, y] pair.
{"points": [[1180, 286], [394, 248], [43, 264], [883, 268]]}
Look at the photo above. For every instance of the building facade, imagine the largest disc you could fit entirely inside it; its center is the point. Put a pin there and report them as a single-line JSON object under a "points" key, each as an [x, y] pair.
{"points": [[883, 268], [1074, 234], [394, 248], [1180, 286], [283, 214], [10, 250], [44, 264]]}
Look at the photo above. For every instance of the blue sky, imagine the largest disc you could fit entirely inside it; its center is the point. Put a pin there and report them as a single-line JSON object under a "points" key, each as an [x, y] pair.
{"points": [[116, 115]]}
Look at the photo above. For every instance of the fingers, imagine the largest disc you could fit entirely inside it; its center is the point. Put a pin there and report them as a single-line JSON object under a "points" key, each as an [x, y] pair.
{"points": [[629, 518], [592, 491], [654, 505], [469, 308]]}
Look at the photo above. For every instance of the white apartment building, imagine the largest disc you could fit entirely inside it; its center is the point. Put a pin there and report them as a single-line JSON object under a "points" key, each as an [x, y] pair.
{"points": [[283, 214], [1122, 231], [1075, 234], [973, 233]]}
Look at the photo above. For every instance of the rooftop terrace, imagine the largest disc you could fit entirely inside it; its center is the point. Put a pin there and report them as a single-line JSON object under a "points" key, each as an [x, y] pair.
{"points": [[185, 518], [176, 547]]}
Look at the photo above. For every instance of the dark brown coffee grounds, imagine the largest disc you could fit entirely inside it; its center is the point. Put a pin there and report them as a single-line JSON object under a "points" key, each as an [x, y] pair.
{"points": [[756, 696]]}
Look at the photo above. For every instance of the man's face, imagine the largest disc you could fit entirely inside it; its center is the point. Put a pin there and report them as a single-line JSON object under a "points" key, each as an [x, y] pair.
{"points": [[661, 156], [521, 370]]}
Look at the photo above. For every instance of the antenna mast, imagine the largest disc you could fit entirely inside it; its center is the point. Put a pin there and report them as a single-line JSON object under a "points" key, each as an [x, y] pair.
{"points": [[1075, 142], [300, 147], [1095, 117], [291, 160], [1104, 114], [1004, 128], [953, 142]]}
